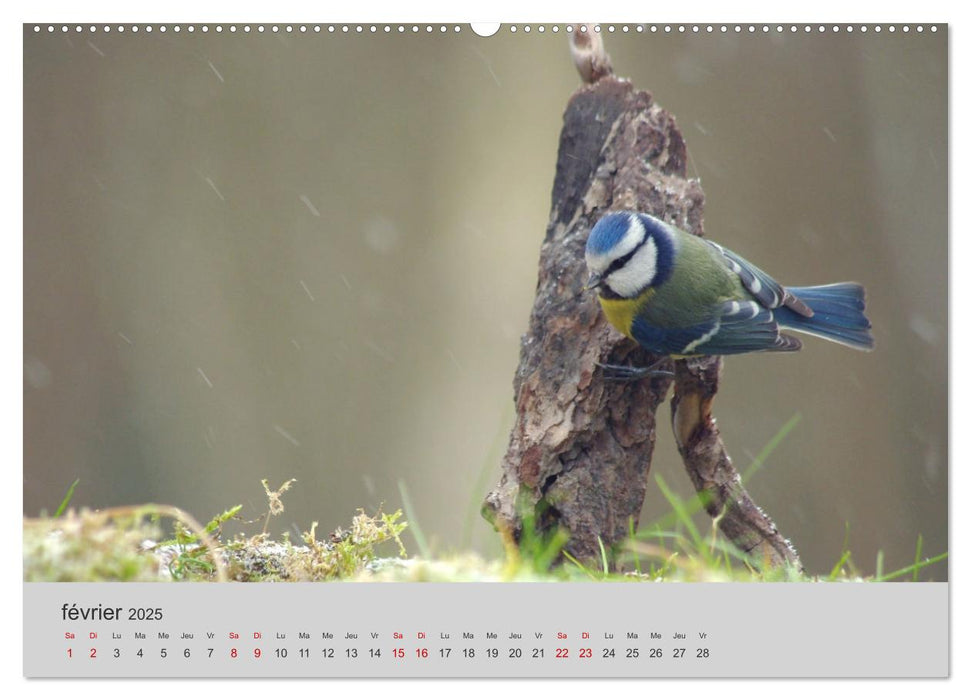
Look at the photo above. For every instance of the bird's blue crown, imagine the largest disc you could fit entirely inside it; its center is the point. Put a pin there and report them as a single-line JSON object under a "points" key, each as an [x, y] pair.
{"points": [[608, 232]]}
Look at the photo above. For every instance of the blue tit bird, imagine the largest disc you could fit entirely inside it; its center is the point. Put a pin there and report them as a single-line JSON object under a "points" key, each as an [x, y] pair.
{"points": [[681, 295]]}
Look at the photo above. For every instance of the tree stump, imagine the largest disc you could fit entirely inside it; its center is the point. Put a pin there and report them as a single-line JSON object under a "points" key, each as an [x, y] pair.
{"points": [[581, 449], [580, 452]]}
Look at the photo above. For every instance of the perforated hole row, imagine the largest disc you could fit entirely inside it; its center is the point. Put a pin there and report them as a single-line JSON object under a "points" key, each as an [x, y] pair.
{"points": [[747, 28], [514, 28]]}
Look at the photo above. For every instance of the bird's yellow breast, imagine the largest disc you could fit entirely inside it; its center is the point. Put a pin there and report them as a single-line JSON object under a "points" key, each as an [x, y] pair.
{"points": [[621, 312]]}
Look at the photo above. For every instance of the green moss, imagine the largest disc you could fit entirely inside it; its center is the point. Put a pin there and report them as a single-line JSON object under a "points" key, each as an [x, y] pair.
{"points": [[85, 546], [125, 544]]}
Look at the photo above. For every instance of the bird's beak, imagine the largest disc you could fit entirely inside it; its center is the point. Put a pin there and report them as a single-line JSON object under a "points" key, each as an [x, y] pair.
{"points": [[593, 282]]}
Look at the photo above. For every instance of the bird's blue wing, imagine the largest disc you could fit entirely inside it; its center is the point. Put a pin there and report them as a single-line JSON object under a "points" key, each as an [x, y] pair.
{"points": [[734, 327], [761, 285]]}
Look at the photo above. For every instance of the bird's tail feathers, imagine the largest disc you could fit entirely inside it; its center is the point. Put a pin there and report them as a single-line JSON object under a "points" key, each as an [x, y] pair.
{"points": [[838, 314]]}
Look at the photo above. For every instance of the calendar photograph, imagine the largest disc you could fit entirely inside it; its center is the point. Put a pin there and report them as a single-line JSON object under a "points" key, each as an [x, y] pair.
{"points": [[566, 303]]}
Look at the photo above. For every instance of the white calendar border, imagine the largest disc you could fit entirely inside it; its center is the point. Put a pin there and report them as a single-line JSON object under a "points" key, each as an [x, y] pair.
{"points": [[510, 10]]}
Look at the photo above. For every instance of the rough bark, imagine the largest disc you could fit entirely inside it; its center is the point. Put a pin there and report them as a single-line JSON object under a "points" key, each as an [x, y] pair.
{"points": [[580, 451]]}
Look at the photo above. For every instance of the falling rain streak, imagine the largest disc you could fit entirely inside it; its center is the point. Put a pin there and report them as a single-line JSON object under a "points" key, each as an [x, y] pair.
{"points": [[307, 290], [218, 74], [204, 377], [287, 436], [310, 205], [215, 189]]}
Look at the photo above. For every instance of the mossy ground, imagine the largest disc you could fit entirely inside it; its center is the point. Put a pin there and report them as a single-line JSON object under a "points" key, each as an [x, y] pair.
{"points": [[128, 544]]}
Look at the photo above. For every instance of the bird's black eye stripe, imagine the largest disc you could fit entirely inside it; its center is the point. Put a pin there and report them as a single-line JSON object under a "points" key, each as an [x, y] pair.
{"points": [[623, 260]]}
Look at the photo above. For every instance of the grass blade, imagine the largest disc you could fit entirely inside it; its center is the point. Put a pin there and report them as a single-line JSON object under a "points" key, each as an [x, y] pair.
{"points": [[413, 527], [770, 446], [920, 546], [684, 517], [839, 565], [67, 499], [912, 568], [603, 556], [632, 535], [573, 560], [543, 560]]}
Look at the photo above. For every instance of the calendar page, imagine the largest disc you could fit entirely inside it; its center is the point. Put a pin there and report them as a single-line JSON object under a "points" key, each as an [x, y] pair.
{"points": [[437, 350]]}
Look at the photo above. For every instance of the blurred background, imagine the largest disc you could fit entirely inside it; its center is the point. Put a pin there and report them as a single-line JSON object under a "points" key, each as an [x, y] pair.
{"points": [[312, 256]]}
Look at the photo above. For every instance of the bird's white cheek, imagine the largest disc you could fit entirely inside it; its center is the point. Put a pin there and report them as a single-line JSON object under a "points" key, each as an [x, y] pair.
{"points": [[637, 274]]}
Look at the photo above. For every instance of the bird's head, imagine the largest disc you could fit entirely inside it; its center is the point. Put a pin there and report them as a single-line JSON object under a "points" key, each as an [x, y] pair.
{"points": [[628, 252]]}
